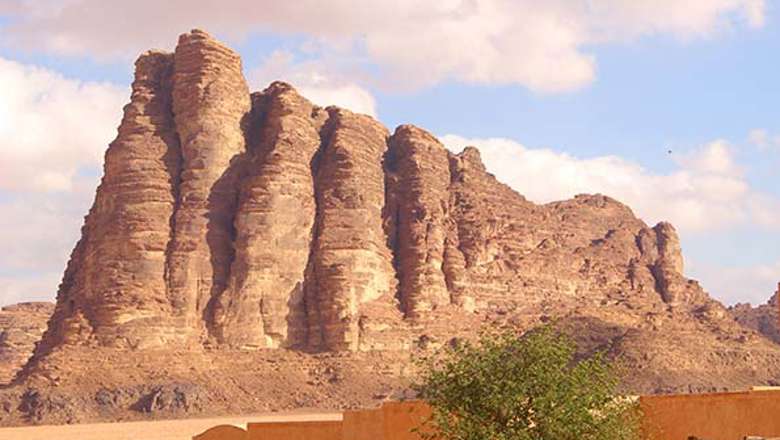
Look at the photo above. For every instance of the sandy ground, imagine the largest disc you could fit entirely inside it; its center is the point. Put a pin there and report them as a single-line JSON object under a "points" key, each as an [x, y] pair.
{"points": [[157, 430]]}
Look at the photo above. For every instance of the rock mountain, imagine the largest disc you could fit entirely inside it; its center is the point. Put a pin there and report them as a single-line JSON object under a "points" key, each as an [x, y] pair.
{"points": [[262, 221], [250, 251]]}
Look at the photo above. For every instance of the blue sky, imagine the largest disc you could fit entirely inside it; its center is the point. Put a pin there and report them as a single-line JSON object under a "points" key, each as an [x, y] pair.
{"points": [[600, 91]]}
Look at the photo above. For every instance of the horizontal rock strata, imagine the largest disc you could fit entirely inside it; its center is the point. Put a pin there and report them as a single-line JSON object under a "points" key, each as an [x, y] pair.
{"points": [[351, 263], [418, 180]]}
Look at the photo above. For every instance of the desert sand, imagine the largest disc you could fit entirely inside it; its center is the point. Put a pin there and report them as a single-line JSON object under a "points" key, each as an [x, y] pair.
{"points": [[151, 430]]}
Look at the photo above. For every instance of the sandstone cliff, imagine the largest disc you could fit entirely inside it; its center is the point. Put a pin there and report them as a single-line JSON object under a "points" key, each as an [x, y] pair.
{"points": [[21, 327], [238, 222], [263, 221]]}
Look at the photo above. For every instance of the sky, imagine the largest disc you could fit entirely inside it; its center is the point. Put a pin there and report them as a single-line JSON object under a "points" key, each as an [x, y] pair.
{"points": [[671, 107]]}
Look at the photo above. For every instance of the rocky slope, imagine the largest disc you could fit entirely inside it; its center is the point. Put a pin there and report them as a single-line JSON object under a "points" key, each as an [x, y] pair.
{"points": [[254, 251], [21, 327], [764, 318]]}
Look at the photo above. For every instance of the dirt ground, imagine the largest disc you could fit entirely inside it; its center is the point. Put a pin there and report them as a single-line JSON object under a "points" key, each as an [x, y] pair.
{"points": [[156, 430]]}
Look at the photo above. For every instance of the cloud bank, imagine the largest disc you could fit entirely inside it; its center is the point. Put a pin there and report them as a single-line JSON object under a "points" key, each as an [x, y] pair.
{"points": [[54, 131], [707, 192], [52, 126], [544, 46]]}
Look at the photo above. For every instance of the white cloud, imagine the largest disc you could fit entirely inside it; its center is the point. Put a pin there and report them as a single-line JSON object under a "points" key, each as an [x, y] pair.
{"points": [[52, 127], [753, 284], [54, 131], [629, 19], [314, 81], [763, 140], [716, 158], [37, 232], [707, 191], [540, 45]]}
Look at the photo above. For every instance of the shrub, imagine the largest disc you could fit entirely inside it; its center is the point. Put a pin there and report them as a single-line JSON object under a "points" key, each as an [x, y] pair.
{"points": [[506, 387]]}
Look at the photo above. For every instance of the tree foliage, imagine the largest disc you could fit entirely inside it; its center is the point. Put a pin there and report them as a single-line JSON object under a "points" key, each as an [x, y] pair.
{"points": [[506, 387]]}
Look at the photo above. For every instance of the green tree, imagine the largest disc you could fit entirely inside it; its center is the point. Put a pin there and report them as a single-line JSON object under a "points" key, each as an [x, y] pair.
{"points": [[506, 387]]}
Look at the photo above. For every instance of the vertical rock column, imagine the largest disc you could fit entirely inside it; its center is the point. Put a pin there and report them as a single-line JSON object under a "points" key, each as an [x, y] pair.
{"points": [[263, 305], [114, 288], [473, 194], [210, 100], [669, 251], [667, 270], [420, 165], [351, 263]]}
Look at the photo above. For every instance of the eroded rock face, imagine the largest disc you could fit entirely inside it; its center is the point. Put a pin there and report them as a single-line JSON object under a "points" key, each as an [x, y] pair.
{"points": [[114, 289], [764, 318], [21, 327], [668, 269], [226, 219], [418, 182], [351, 264], [264, 304]]}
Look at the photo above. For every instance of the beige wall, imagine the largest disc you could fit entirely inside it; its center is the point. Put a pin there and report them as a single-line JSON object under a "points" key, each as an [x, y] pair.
{"points": [[363, 425], [294, 431], [395, 421], [401, 418], [719, 416]]}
